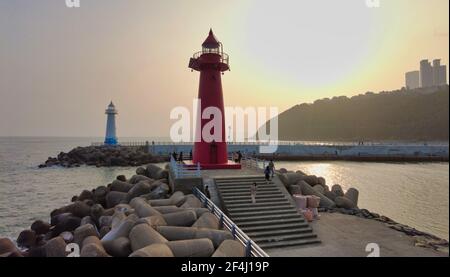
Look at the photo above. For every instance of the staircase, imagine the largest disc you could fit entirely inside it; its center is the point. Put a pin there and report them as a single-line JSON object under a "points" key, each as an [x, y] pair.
{"points": [[273, 221]]}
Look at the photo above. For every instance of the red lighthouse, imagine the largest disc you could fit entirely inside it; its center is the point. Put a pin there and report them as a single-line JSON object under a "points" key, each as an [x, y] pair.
{"points": [[211, 62]]}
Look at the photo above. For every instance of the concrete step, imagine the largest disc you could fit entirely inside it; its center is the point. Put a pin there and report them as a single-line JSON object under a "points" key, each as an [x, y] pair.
{"points": [[259, 212], [268, 245], [278, 208], [245, 179], [247, 190], [258, 196], [244, 183], [284, 238], [258, 205], [291, 231], [285, 226], [241, 193], [239, 219], [262, 201], [241, 186], [272, 222]]}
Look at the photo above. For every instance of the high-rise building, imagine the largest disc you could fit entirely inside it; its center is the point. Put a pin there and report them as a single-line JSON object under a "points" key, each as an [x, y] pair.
{"points": [[439, 73], [412, 79], [426, 74]]}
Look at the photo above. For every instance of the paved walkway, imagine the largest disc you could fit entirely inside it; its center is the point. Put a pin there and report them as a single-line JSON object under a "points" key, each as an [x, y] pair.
{"points": [[348, 236]]}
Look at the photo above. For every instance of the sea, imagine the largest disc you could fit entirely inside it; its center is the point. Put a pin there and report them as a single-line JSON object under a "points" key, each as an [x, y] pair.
{"points": [[415, 194]]}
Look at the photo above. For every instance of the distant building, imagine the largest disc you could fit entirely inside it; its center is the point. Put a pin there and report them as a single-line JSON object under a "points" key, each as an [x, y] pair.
{"points": [[439, 73], [426, 74], [429, 75], [412, 79]]}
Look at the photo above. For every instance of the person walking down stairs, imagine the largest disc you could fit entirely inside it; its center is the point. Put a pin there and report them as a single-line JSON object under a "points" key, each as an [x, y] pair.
{"points": [[267, 173], [253, 190]]}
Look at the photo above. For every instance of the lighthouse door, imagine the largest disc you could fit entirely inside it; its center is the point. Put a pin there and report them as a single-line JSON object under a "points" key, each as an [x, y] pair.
{"points": [[213, 153]]}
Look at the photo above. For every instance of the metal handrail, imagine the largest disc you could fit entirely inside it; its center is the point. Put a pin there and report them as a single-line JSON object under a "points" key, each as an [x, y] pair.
{"points": [[224, 58], [251, 248], [181, 172]]}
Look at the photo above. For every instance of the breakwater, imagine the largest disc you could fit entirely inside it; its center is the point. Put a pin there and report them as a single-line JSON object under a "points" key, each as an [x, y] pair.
{"points": [[135, 217]]}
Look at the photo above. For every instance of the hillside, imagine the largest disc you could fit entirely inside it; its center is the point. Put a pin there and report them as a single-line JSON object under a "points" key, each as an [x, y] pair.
{"points": [[411, 115]]}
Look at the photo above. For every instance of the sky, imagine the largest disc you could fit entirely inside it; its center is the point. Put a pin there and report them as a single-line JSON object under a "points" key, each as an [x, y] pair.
{"points": [[60, 67]]}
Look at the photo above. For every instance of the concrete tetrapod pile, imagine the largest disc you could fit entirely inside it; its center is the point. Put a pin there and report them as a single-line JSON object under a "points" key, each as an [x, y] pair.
{"points": [[138, 217]]}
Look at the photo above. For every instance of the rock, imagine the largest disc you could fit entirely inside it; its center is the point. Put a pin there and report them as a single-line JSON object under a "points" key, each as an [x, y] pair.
{"points": [[230, 249], [122, 229], [105, 221], [192, 248], [183, 218], [330, 195], [69, 223], [319, 189], [167, 209], [312, 180], [86, 194], [103, 231], [99, 196], [114, 198], [67, 236], [291, 178], [141, 171], [139, 189], [308, 190], [120, 247], [321, 181], [8, 249], [172, 233], [154, 221], [142, 208], [87, 220], [154, 250], [40, 227], [337, 189], [344, 202], [143, 235], [120, 186], [27, 239], [160, 192], [83, 232], [92, 248], [121, 178], [140, 178], [56, 248], [283, 170], [191, 202], [207, 220], [295, 189], [37, 252], [80, 209], [176, 199], [353, 195]]}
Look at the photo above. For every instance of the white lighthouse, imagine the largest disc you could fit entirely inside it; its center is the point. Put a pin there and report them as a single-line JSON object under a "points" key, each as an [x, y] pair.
{"points": [[111, 138]]}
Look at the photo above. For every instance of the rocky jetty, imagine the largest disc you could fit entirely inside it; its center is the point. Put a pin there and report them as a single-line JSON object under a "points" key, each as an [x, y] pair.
{"points": [[135, 217], [335, 200], [103, 156]]}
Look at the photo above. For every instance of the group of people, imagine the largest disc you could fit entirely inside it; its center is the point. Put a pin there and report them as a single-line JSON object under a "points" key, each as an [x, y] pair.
{"points": [[179, 157]]}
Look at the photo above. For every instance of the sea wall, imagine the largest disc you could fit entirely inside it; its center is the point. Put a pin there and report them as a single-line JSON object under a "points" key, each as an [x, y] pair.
{"points": [[327, 152]]}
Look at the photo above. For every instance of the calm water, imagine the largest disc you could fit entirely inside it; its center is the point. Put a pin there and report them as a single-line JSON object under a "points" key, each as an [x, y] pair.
{"points": [[413, 194]]}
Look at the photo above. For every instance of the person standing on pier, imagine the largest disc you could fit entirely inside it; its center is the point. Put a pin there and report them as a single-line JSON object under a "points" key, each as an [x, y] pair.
{"points": [[253, 189], [272, 168], [267, 174], [180, 158], [207, 193], [239, 156]]}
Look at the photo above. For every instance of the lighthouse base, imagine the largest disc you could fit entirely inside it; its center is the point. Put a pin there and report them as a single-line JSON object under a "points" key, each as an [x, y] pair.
{"points": [[229, 165]]}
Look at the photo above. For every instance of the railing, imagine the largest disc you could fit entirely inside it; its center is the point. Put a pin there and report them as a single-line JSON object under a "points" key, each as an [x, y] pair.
{"points": [[251, 248], [126, 144], [180, 170], [224, 58], [254, 163]]}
